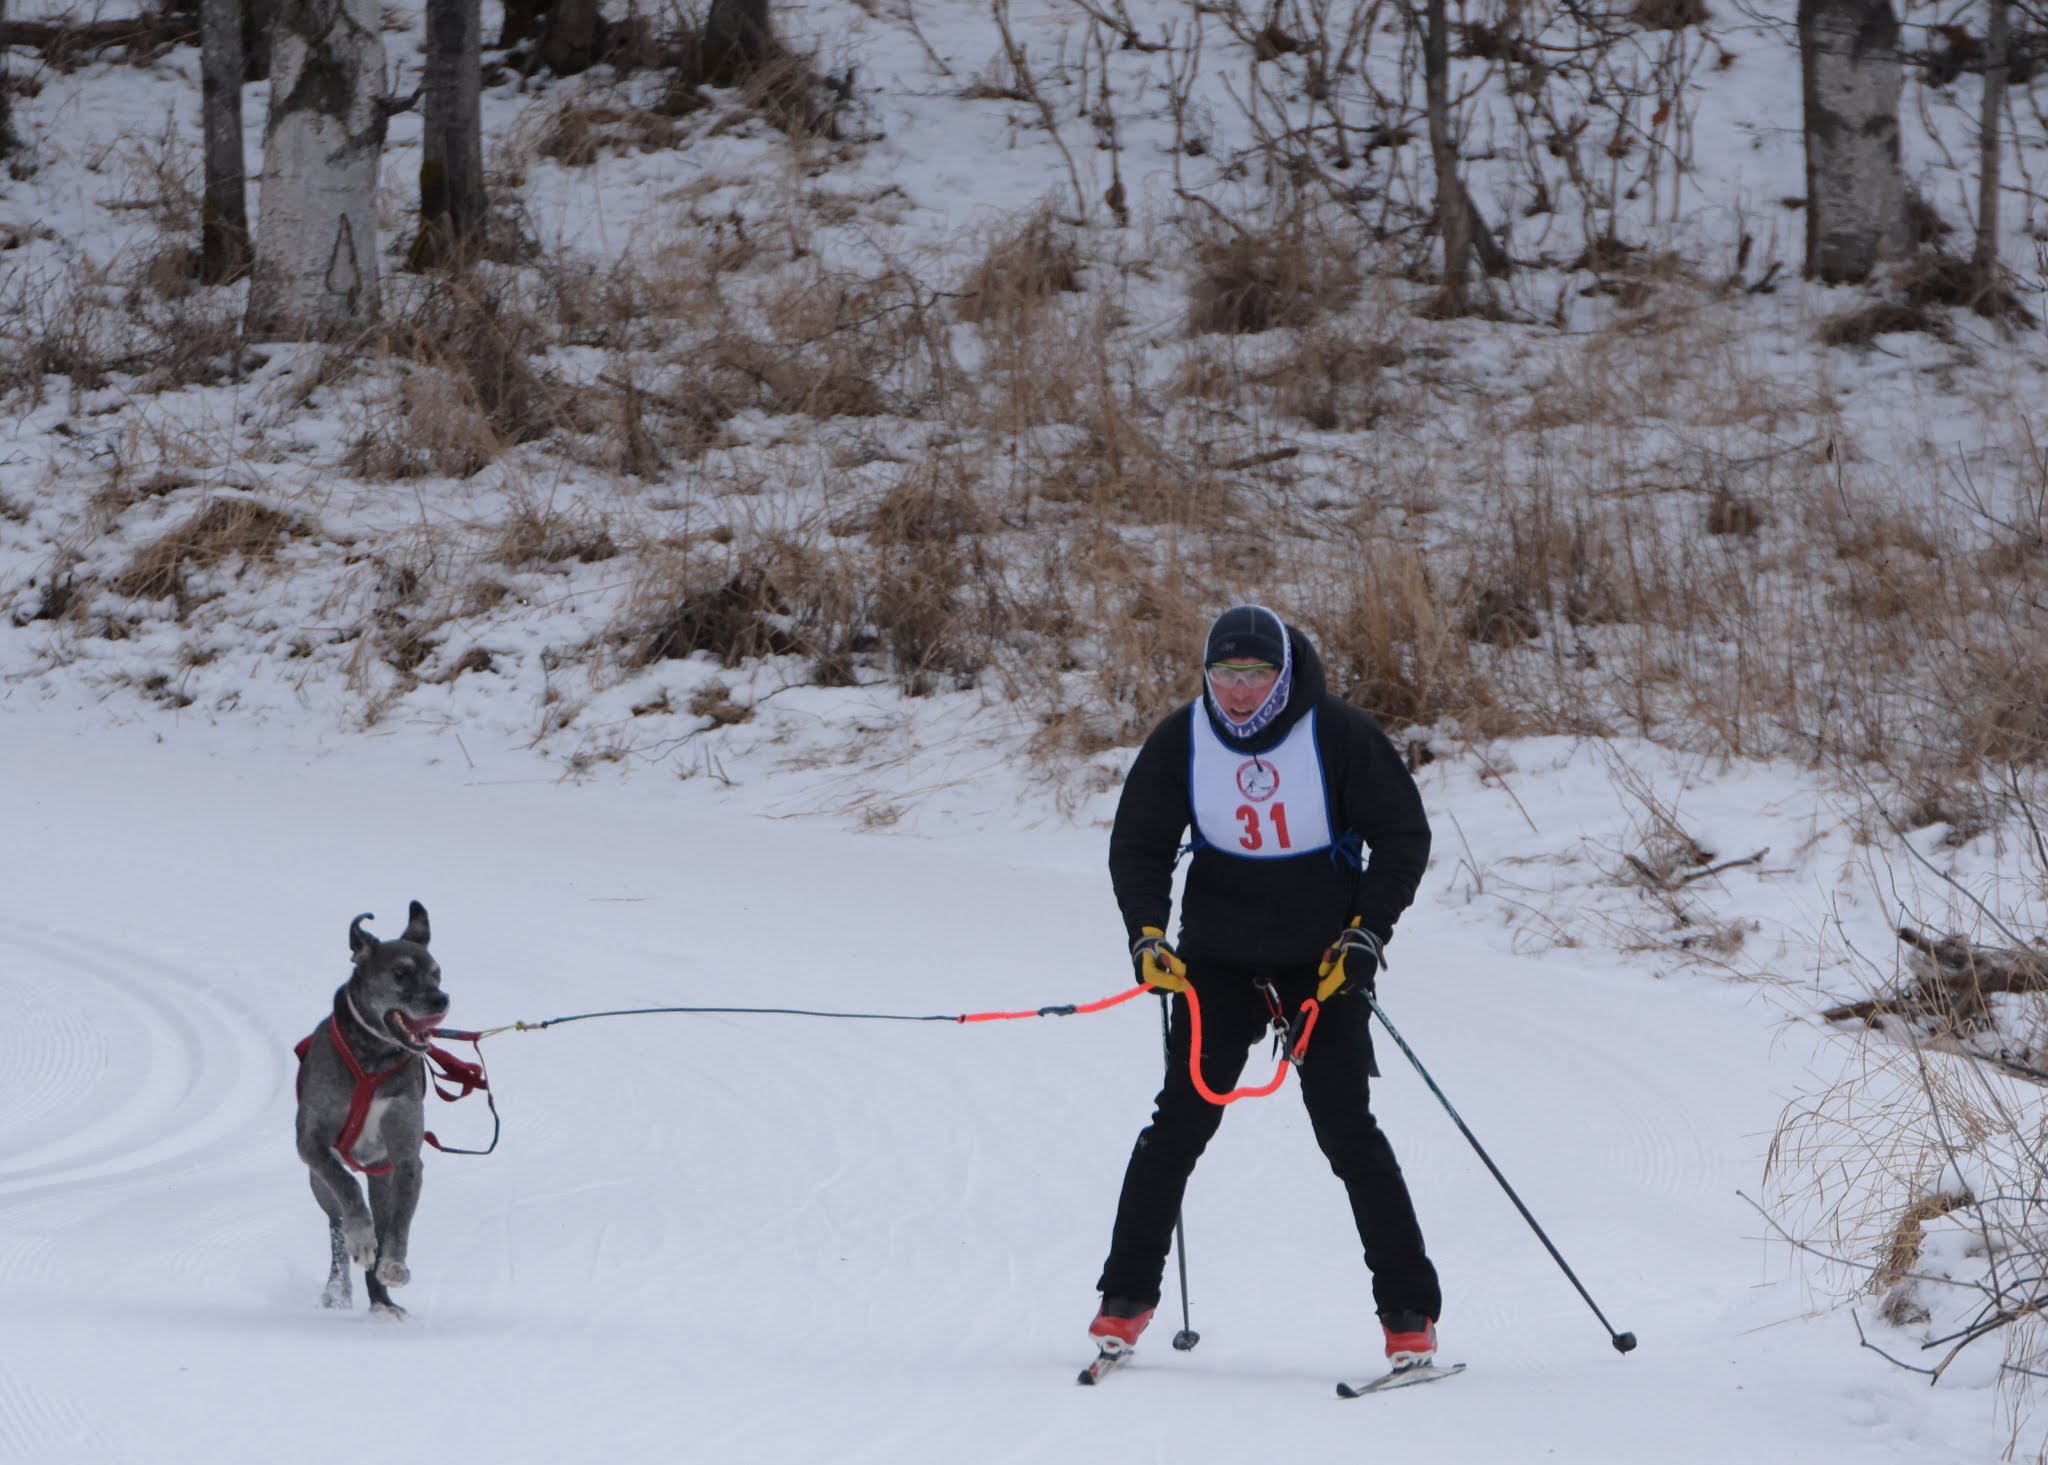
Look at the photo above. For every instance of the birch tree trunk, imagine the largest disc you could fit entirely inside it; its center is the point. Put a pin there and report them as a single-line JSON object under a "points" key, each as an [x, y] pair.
{"points": [[223, 211], [1453, 214], [451, 145], [1990, 132], [316, 218], [1851, 74]]}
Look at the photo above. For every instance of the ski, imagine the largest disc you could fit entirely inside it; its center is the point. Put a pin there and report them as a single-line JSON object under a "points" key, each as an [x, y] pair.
{"points": [[1400, 1378], [1106, 1362]]}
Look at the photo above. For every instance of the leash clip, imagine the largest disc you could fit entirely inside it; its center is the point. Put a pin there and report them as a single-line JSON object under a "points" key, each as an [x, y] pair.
{"points": [[1296, 1049], [1276, 1015]]}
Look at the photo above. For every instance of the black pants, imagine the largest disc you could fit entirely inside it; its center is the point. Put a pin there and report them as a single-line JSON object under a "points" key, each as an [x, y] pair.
{"points": [[1334, 1088]]}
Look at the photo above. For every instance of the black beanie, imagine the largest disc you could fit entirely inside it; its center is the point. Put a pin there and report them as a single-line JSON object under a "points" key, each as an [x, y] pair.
{"points": [[1247, 632]]}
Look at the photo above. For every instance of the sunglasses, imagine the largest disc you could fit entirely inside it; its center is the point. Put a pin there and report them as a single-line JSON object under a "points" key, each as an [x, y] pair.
{"points": [[1259, 675]]}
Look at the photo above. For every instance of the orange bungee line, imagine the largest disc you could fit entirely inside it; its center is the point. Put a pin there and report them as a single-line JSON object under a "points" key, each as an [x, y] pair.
{"points": [[1312, 1008], [1309, 1011]]}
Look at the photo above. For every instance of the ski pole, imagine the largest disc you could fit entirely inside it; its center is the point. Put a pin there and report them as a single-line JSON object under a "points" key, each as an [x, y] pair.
{"points": [[1187, 1337], [1623, 1342]]}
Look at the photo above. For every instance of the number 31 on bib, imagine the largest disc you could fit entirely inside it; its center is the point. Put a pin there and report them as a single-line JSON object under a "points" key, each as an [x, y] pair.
{"points": [[1254, 835]]}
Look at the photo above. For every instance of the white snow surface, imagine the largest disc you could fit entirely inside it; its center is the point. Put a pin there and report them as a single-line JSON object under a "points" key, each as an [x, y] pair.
{"points": [[784, 1239]]}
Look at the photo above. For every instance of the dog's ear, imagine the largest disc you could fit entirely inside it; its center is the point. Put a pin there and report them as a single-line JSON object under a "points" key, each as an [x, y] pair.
{"points": [[360, 942], [416, 929]]}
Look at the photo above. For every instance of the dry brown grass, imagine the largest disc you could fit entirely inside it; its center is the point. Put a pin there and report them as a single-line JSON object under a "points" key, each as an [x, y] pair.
{"points": [[537, 532], [1280, 273], [577, 133], [832, 343], [713, 701], [1023, 268], [1393, 644], [680, 610], [239, 532]]}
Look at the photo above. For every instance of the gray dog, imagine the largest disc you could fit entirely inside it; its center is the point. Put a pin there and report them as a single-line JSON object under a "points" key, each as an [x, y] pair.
{"points": [[362, 1091]]}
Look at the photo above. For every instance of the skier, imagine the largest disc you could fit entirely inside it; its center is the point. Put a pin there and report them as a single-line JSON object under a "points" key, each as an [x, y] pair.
{"points": [[1309, 840]]}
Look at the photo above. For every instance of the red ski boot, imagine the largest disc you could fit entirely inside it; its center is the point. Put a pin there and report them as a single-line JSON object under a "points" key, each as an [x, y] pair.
{"points": [[1411, 1338], [1118, 1323]]}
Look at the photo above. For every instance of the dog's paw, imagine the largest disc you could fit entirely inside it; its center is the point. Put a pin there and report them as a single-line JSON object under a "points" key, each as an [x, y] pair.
{"points": [[393, 1273]]}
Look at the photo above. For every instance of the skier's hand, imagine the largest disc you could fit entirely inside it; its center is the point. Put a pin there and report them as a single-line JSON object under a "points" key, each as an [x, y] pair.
{"points": [[1157, 965], [1351, 963]]}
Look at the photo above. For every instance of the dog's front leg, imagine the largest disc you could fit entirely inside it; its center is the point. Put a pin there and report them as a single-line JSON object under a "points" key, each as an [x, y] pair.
{"points": [[339, 1291], [393, 1199], [341, 1198]]}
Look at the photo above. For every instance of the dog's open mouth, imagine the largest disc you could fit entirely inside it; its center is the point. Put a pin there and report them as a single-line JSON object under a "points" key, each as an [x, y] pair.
{"points": [[414, 1035]]}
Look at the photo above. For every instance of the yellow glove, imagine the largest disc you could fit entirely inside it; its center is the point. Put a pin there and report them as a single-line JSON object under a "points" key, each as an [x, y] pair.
{"points": [[1351, 962], [1157, 965]]}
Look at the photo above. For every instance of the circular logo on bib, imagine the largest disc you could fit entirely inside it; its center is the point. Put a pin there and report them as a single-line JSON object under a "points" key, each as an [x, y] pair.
{"points": [[1257, 780]]}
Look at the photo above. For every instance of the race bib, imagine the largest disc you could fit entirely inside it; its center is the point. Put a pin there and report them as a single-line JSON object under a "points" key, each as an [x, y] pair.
{"points": [[1263, 806]]}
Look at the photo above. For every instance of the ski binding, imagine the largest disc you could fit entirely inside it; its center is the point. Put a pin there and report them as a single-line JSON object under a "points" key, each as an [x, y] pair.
{"points": [[1106, 1362]]}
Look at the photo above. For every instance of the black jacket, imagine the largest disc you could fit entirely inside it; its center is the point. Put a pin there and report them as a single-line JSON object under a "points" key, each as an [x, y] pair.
{"points": [[1273, 912]]}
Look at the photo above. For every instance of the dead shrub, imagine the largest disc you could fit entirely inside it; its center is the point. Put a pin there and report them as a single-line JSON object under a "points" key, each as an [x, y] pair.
{"points": [[172, 272], [432, 427], [1279, 274], [1902, 1251], [222, 532], [2002, 703], [198, 343], [713, 702], [735, 620], [1733, 513], [917, 614], [1500, 615], [577, 133], [1875, 536], [120, 492], [474, 659], [782, 86], [1390, 646], [540, 534], [58, 330], [1150, 658], [838, 344], [1592, 582], [933, 506], [1022, 269], [1335, 381], [799, 100], [1862, 326], [1669, 15], [827, 383], [480, 336], [1934, 278], [481, 597]]}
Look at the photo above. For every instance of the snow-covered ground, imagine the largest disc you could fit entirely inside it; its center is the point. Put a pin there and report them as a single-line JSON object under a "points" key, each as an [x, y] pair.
{"points": [[778, 1239]]}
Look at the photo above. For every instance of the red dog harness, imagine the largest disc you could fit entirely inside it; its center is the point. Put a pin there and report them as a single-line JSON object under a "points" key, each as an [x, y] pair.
{"points": [[467, 1077]]}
